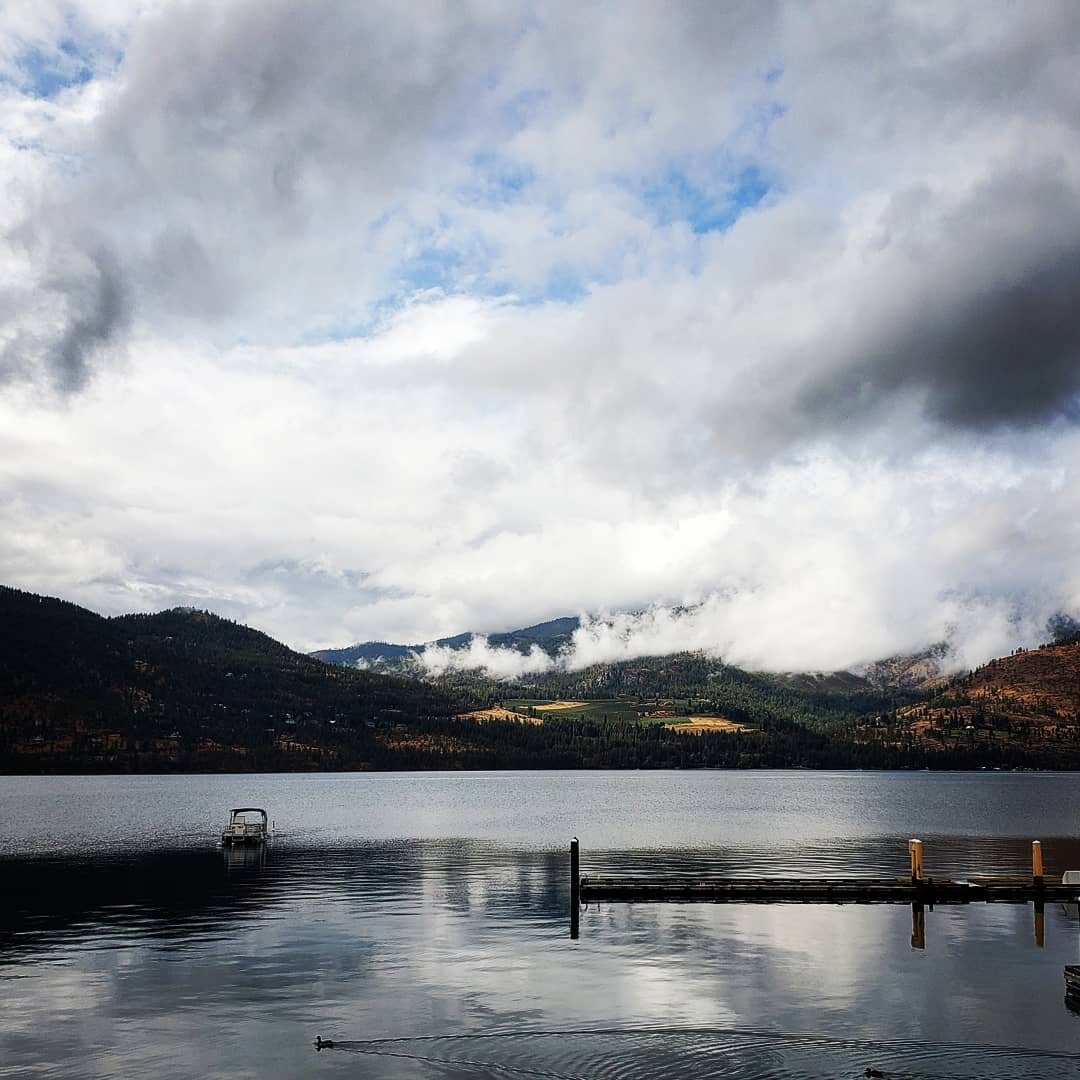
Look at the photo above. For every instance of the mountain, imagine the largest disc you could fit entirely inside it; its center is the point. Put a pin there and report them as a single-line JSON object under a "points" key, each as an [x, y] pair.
{"points": [[1028, 702], [185, 689], [550, 636], [916, 671], [1063, 629], [1020, 710], [908, 672]]}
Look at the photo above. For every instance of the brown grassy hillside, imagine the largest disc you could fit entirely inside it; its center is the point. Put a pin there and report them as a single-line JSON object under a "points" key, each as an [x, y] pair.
{"points": [[1030, 699]]}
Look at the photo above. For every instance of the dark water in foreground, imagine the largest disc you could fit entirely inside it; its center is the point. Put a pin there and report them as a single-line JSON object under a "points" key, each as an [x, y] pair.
{"points": [[421, 922]]}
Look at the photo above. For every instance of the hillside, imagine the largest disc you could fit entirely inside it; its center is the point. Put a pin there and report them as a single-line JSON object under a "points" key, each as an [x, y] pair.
{"points": [[686, 681], [185, 689], [1018, 711], [1026, 702], [915, 672], [698, 683]]}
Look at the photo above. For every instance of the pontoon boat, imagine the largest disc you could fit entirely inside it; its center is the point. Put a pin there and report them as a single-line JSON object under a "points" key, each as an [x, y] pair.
{"points": [[241, 830]]}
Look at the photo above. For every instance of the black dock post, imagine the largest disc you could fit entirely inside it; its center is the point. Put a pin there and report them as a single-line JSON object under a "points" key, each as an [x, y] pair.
{"points": [[575, 887]]}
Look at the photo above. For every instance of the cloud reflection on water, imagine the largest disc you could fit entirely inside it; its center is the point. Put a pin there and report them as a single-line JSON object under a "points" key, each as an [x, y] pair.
{"points": [[183, 963]]}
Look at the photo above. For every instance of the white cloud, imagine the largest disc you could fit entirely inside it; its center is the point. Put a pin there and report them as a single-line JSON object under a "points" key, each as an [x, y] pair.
{"points": [[374, 324], [500, 663]]}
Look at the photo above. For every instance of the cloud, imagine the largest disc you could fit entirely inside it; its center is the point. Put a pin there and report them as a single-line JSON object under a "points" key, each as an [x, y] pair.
{"points": [[761, 629], [500, 663], [372, 323], [233, 141], [98, 313], [980, 316]]}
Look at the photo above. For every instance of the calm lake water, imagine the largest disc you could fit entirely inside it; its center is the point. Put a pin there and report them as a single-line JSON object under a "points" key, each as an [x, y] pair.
{"points": [[421, 922]]}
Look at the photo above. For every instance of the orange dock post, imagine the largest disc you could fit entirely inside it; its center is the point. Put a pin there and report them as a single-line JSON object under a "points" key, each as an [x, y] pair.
{"points": [[915, 848]]}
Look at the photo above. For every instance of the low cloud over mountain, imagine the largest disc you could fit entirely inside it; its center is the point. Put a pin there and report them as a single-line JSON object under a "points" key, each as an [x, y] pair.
{"points": [[371, 322]]}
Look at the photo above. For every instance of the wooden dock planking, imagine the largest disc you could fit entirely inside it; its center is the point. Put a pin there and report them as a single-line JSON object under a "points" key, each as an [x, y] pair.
{"points": [[768, 890], [916, 889]]}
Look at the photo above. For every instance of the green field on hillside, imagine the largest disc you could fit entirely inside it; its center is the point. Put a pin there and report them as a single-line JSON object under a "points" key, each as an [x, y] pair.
{"points": [[605, 709], [550, 709]]}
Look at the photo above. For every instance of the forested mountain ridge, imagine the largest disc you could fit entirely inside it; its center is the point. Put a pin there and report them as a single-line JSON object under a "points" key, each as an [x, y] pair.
{"points": [[186, 690]]}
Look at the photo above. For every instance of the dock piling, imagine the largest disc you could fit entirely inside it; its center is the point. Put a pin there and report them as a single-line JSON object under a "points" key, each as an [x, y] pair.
{"points": [[575, 871], [915, 848], [575, 887], [1036, 864]]}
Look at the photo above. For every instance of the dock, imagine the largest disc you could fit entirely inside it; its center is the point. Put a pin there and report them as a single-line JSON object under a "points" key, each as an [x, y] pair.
{"points": [[772, 890], [916, 888]]}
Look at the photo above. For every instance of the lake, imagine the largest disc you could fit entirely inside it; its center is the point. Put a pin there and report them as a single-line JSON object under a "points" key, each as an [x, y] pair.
{"points": [[421, 923]]}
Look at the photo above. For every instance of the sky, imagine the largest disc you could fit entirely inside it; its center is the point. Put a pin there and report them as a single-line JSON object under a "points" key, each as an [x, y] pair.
{"points": [[384, 321]]}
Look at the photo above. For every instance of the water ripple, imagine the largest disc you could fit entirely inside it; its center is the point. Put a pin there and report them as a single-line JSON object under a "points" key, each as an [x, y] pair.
{"points": [[738, 1054], [412, 905]]}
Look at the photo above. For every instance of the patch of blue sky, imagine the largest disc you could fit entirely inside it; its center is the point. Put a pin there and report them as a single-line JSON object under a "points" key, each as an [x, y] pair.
{"points": [[705, 205], [433, 270], [437, 273], [45, 74], [564, 285], [430, 268], [353, 326], [711, 191]]}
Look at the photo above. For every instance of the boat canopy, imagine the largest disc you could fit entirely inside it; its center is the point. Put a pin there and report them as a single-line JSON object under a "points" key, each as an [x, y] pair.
{"points": [[249, 810]]}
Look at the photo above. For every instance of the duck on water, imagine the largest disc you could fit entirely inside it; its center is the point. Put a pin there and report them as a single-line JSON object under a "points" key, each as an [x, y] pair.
{"points": [[242, 830]]}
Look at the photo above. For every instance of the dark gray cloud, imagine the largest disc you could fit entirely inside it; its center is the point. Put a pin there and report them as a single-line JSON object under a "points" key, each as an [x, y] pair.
{"points": [[1009, 357], [87, 306], [981, 325], [98, 306]]}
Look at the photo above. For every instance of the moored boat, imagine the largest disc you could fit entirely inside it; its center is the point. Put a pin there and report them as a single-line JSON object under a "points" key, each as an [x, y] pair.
{"points": [[242, 830]]}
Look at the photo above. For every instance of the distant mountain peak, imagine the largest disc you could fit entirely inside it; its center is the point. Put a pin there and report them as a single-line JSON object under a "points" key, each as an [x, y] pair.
{"points": [[549, 636], [909, 671]]}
